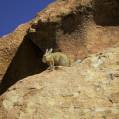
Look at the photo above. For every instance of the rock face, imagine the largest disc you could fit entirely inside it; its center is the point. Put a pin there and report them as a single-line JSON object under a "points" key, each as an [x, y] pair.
{"points": [[9, 45], [19, 57], [87, 90], [77, 27]]}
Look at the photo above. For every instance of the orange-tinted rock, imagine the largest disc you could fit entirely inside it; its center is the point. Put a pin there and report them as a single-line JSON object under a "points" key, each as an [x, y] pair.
{"points": [[87, 90], [9, 45], [78, 27]]}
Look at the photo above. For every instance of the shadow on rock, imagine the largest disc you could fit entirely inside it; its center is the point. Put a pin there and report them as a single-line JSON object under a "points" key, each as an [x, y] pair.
{"points": [[26, 62]]}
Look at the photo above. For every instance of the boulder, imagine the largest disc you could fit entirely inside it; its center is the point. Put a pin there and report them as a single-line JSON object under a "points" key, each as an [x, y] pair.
{"points": [[86, 90]]}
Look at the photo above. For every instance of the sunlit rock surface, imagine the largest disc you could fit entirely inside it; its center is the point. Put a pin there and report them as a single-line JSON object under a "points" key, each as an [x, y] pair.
{"points": [[87, 90]]}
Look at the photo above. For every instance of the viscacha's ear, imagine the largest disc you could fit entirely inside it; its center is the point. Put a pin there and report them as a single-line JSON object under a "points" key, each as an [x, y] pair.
{"points": [[46, 51], [50, 51]]}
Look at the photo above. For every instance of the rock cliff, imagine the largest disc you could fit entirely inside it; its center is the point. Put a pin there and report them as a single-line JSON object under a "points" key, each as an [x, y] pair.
{"points": [[77, 27], [83, 29], [89, 90]]}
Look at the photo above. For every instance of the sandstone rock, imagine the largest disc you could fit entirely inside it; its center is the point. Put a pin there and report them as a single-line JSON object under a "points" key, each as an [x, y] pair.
{"points": [[77, 27], [9, 45], [19, 57], [89, 90]]}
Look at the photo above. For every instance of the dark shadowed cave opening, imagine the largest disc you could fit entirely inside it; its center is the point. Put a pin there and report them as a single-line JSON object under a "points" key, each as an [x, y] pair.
{"points": [[45, 35], [28, 58], [27, 61]]}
